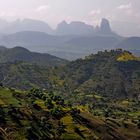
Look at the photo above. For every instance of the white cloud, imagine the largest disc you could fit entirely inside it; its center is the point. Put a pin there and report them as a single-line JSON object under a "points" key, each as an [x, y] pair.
{"points": [[95, 12], [7, 14], [137, 15], [43, 8], [125, 6]]}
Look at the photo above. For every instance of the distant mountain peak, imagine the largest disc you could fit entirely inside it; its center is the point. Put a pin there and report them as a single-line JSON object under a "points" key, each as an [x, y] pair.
{"points": [[78, 23], [74, 28], [105, 26], [63, 22], [26, 24], [81, 28]]}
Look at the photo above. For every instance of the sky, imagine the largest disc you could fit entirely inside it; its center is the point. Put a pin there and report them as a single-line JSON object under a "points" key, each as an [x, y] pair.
{"points": [[123, 14]]}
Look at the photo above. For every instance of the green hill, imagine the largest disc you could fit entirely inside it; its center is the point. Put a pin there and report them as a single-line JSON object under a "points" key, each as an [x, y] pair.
{"points": [[42, 115], [115, 74], [22, 54], [23, 75], [94, 98]]}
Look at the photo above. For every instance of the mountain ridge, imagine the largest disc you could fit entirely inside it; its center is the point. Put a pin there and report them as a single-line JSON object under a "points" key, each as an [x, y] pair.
{"points": [[74, 44], [63, 28], [113, 72], [92, 74], [23, 54]]}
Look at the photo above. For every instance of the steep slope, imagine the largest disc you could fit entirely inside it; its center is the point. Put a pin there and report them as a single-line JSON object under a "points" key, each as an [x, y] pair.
{"points": [[104, 29], [105, 26], [24, 76], [36, 114], [81, 28], [115, 74], [22, 54]]}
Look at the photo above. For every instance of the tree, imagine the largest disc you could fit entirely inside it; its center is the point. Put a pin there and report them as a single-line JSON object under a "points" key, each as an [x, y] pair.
{"points": [[56, 112], [138, 124], [49, 103]]}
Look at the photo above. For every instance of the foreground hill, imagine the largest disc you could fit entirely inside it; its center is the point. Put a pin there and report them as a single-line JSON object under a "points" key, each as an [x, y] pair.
{"points": [[24, 76], [42, 115], [22, 54], [95, 98], [115, 74]]}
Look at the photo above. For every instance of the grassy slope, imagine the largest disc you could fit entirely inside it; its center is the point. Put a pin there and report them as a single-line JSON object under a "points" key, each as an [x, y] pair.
{"points": [[114, 73], [26, 115]]}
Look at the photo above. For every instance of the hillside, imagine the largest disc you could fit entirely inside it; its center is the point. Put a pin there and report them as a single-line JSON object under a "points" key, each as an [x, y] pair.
{"points": [[22, 54], [92, 98], [23, 75], [41, 115], [115, 74]]}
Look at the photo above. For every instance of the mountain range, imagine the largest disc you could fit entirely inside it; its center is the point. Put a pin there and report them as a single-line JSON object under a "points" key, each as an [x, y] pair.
{"points": [[68, 41], [63, 28], [23, 25]]}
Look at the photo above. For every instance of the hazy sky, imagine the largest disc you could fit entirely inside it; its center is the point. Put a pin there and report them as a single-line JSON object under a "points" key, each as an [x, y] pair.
{"points": [[90, 11]]}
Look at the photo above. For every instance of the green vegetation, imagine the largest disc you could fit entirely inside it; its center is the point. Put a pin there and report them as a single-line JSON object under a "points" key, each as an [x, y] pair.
{"points": [[41, 115], [127, 56], [23, 54], [102, 74], [105, 74], [95, 98], [22, 75]]}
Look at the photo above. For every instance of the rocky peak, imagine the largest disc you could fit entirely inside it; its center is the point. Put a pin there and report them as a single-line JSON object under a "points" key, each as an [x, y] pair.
{"points": [[105, 26]]}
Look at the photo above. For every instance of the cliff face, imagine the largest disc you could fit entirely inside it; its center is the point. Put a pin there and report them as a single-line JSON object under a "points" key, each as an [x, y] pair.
{"points": [[105, 26]]}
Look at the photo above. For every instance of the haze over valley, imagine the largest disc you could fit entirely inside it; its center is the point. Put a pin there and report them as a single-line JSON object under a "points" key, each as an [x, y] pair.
{"points": [[68, 41]]}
